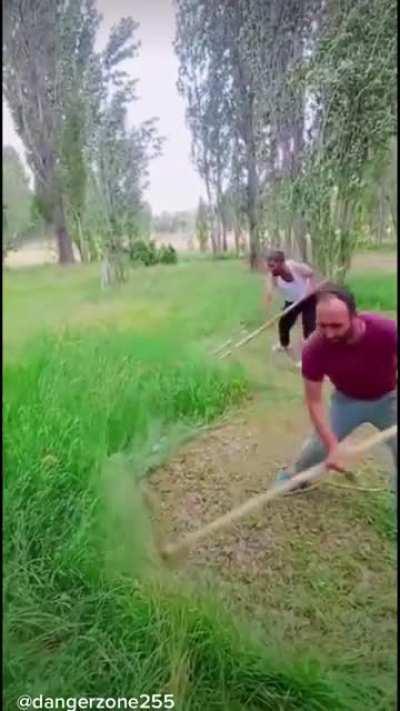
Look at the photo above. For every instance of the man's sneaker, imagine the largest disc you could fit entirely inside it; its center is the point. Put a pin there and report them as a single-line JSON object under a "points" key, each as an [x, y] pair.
{"points": [[283, 477], [277, 348]]}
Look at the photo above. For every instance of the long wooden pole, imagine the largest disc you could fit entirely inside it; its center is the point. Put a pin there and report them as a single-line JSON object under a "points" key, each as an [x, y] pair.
{"points": [[319, 471], [271, 321], [227, 343]]}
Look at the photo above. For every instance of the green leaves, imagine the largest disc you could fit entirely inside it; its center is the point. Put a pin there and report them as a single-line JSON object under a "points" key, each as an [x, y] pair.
{"points": [[298, 98], [69, 104], [18, 222], [121, 44]]}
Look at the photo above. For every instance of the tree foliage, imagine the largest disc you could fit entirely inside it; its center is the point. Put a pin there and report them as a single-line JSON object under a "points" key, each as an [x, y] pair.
{"points": [[291, 105], [70, 104], [202, 226], [352, 76], [147, 253], [118, 154], [19, 220], [48, 49]]}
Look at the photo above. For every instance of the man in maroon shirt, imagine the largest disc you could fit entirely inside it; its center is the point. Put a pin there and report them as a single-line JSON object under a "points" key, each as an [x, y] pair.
{"points": [[357, 352]]}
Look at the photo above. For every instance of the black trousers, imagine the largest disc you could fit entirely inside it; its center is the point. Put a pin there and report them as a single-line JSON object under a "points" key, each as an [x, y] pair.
{"points": [[307, 311]]}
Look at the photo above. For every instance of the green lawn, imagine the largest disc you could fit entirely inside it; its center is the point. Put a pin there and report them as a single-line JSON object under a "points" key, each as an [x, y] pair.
{"points": [[99, 388]]}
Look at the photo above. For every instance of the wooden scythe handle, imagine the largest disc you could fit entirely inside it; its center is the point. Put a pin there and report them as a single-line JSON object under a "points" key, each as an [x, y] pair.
{"points": [[270, 322], [317, 472]]}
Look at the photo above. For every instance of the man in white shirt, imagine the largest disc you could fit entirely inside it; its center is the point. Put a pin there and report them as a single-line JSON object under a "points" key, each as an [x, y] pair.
{"points": [[294, 281]]}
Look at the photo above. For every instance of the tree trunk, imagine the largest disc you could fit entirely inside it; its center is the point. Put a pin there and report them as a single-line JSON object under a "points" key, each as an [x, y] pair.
{"points": [[382, 215], [211, 213], [214, 246], [224, 237], [222, 221], [220, 215], [64, 242], [81, 251], [252, 212], [105, 272], [236, 232], [299, 229], [218, 233], [65, 251], [81, 242], [392, 192], [248, 135], [345, 244]]}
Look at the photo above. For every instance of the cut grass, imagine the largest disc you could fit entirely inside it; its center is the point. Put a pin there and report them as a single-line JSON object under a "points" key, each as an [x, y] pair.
{"points": [[316, 572], [379, 513]]}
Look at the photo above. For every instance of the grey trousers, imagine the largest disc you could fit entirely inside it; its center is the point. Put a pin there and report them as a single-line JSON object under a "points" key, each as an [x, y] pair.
{"points": [[345, 415]]}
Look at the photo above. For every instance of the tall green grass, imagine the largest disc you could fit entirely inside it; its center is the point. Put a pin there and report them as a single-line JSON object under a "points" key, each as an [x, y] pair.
{"points": [[98, 639], [79, 620], [374, 291], [77, 401]]}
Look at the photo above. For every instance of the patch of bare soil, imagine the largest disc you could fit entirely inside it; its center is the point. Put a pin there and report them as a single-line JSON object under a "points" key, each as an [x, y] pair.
{"points": [[35, 253], [386, 262], [296, 556]]}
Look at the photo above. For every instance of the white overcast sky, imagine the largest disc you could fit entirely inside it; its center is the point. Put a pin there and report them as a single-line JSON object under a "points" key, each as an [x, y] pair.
{"points": [[174, 184]]}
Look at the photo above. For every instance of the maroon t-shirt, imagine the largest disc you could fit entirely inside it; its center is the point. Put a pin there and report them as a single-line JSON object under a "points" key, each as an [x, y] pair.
{"points": [[365, 370]]}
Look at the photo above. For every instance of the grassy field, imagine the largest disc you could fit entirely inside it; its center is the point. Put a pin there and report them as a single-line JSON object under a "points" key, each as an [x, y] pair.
{"points": [[100, 389]]}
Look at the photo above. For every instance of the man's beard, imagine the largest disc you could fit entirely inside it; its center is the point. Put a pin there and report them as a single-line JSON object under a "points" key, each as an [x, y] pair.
{"points": [[344, 338]]}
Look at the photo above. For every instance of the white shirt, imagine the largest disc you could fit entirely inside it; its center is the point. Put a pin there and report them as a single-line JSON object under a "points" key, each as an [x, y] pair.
{"points": [[292, 290]]}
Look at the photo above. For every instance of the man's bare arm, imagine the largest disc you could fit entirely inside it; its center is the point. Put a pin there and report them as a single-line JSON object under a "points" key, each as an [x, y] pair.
{"points": [[268, 291], [317, 410], [307, 272], [320, 420]]}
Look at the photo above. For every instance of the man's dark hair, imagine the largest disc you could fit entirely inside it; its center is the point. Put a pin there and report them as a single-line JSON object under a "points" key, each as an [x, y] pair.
{"points": [[338, 292], [274, 255]]}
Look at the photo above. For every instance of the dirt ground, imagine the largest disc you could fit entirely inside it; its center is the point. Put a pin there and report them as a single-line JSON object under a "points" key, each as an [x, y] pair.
{"points": [[44, 252], [289, 561], [35, 253], [375, 260]]}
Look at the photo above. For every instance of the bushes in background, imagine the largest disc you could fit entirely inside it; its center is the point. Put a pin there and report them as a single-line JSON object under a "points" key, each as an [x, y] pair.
{"points": [[146, 253]]}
